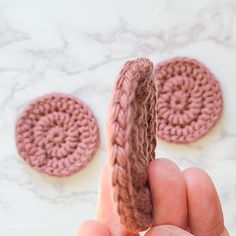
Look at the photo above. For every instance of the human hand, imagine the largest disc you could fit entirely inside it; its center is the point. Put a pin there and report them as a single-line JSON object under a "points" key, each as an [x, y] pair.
{"points": [[184, 204]]}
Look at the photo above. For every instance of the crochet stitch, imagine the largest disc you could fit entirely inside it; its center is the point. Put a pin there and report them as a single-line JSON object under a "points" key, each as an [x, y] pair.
{"points": [[189, 100], [132, 142], [57, 134]]}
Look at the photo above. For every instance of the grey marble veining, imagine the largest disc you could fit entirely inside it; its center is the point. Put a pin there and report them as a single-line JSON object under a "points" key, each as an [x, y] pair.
{"points": [[78, 47]]}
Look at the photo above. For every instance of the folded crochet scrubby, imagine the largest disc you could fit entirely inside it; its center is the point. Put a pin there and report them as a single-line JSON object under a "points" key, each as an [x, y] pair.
{"points": [[57, 134], [132, 142]]}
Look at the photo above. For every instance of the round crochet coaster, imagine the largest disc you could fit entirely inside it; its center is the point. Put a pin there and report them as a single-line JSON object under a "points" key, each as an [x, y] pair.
{"points": [[57, 134], [132, 142], [189, 100]]}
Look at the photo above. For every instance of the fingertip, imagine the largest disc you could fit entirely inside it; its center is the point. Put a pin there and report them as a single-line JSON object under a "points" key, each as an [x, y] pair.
{"points": [[192, 172], [90, 228], [205, 212], [198, 181], [168, 190], [161, 164]]}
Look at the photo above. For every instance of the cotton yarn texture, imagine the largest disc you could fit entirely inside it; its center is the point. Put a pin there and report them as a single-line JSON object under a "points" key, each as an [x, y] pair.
{"points": [[57, 134], [189, 100], [132, 142]]}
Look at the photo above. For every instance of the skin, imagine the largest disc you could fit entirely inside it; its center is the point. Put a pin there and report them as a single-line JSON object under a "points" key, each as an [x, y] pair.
{"points": [[185, 203]]}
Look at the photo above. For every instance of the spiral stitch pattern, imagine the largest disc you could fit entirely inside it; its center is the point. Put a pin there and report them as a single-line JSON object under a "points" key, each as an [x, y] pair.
{"points": [[132, 142], [57, 134], [189, 100]]}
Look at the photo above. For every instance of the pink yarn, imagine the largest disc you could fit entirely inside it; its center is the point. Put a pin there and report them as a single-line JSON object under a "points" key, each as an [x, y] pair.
{"points": [[189, 100], [132, 142], [57, 134]]}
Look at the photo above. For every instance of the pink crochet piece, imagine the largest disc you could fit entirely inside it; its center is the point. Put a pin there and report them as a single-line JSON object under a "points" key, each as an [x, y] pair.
{"points": [[57, 134], [189, 100], [132, 142]]}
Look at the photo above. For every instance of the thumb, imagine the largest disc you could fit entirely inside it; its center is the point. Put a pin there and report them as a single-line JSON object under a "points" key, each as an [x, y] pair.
{"points": [[167, 230]]}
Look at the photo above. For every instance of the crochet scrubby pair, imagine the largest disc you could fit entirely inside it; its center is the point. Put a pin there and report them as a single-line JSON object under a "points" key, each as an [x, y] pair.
{"points": [[179, 100]]}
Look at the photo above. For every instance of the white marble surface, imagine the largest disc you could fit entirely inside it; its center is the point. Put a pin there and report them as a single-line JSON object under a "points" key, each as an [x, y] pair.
{"points": [[77, 47]]}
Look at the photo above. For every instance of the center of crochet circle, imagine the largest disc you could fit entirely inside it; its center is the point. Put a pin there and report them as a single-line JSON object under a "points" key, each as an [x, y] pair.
{"points": [[180, 100], [56, 135], [178, 91]]}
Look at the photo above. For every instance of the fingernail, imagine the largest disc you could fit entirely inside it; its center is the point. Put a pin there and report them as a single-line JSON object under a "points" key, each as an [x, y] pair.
{"points": [[161, 232]]}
